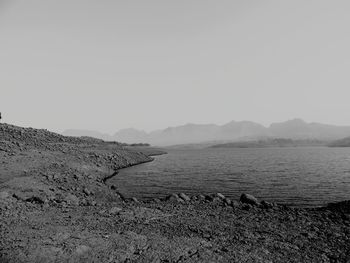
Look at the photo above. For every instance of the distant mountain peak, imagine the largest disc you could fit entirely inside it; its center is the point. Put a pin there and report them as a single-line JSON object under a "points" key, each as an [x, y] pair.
{"points": [[232, 131]]}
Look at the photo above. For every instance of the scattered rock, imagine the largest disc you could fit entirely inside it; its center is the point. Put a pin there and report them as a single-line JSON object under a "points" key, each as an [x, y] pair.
{"points": [[248, 199], [227, 201], [184, 197], [216, 200], [235, 204], [72, 199], [82, 249], [4, 195], [201, 197], [37, 200], [87, 191], [156, 200], [115, 210], [134, 199], [221, 196]]}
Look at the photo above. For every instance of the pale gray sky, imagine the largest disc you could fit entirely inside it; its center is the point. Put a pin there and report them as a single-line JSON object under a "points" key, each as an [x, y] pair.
{"points": [[107, 65]]}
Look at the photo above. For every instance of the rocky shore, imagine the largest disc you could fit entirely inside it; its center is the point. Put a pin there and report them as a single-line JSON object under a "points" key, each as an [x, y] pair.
{"points": [[56, 207]]}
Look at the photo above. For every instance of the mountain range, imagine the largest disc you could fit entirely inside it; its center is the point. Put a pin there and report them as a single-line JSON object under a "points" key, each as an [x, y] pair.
{"points": [[232, 131]]}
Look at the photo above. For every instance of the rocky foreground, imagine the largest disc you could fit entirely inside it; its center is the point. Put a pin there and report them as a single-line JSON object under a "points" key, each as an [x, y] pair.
{"points": [[56, 207]]}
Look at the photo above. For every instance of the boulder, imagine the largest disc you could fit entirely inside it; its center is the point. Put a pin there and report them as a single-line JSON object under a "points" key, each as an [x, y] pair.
{"points": [[221, 196], [184, 197], [172, 197], [248, 199]]}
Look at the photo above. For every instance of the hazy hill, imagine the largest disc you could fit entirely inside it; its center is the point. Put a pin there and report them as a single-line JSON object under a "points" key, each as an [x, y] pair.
{"points": [[299, 129], [271, 142], [296, 129], [345, 142], [88, 133], [131, 136]]}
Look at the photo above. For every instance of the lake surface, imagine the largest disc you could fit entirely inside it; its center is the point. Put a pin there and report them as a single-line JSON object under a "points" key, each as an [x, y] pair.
{"points": [[297, 176]]}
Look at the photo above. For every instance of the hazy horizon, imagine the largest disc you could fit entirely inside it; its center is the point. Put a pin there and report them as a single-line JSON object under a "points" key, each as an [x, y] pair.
{"points": [[154, 64], [191, 123]]}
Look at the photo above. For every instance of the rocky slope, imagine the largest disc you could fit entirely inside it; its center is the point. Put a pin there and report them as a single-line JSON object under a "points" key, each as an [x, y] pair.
{"points": [[55, 207]]}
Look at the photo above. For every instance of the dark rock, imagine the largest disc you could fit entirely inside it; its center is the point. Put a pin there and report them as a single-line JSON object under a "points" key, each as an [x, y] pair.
{"points": [[36, 199], [184, 197], [172, 197], [343, 206], [209, 198], [249, 199], [246, 207], [113, 187], [266, 205]]}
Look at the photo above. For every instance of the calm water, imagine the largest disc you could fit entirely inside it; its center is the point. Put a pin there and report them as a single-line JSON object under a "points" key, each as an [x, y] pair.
{"points": [[299, 176]]}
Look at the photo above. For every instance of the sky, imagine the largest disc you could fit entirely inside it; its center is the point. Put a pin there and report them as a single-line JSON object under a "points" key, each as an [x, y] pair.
{"points": [[107, 65]]}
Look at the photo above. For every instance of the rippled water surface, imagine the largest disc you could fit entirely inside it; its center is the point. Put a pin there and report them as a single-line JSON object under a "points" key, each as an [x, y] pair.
{"points": [[299, 176]]}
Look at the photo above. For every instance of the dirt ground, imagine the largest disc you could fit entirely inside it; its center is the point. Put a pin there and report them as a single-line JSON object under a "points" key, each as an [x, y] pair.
{"points": [[55, 206]]}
